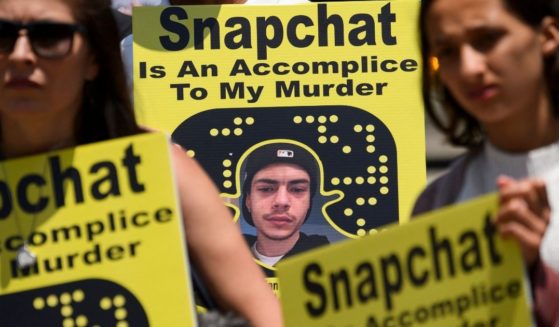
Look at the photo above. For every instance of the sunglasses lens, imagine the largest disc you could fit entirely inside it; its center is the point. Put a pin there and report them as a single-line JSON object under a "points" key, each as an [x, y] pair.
{"points": [[52, 40], [8, 35]]}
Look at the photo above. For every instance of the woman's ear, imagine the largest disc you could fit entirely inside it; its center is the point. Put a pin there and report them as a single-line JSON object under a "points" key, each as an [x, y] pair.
{"points": [[550, 35]]}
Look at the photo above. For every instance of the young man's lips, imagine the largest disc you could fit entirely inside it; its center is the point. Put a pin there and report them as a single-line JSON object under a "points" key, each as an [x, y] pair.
{"points": [[279, 219]]}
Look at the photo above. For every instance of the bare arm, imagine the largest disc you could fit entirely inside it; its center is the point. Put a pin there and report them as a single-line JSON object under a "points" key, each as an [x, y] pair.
{"points": [[218, 249], [545, 291], [524, 215]]}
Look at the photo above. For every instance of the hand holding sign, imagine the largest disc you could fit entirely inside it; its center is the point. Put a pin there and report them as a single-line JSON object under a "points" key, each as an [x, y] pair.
{"points": [[524, 214], [448, 268]]}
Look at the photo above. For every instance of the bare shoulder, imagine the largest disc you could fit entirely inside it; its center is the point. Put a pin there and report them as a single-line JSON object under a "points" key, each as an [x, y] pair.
{"points": [[198, 195], [190, 176], [181, 159], [184, 164]]}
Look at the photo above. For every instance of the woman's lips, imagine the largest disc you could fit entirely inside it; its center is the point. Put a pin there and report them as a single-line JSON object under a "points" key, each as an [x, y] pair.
{"points": [[21, 83], [483, 93]]}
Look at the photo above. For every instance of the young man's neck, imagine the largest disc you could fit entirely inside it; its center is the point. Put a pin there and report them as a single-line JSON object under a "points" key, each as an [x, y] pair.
{"points": [[273, 248]]}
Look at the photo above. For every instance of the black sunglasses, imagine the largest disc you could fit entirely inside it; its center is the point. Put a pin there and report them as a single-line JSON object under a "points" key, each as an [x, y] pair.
{"points": [[48, 40]]}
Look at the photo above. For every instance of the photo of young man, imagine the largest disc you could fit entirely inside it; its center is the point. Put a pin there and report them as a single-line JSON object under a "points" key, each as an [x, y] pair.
{"points": [[279, 184]]}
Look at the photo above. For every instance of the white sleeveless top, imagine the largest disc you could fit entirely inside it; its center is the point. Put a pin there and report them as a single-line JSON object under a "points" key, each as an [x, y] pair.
{"points": [[543, 163]]}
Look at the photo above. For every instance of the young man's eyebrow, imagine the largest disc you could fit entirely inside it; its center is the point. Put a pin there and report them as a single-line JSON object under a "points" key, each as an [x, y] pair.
{"points": [[299, 181], [273, 181], [266, 181]]}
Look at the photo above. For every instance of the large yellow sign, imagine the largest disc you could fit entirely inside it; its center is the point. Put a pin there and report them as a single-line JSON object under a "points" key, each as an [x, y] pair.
{"points": [[340, 79], [448, 268], [103, 223]]}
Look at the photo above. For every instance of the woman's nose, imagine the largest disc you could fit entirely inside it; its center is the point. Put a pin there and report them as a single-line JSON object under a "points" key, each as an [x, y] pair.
{"points": [[472, 61], [22, 51]]}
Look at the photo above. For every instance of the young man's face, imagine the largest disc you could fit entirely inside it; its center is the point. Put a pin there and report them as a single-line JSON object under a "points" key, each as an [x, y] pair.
{"points": [[279, 200]]}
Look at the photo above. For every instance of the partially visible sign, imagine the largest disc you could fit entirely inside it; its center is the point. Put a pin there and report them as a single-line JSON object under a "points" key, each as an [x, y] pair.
{"points": [[104, 224], [448, 268]]}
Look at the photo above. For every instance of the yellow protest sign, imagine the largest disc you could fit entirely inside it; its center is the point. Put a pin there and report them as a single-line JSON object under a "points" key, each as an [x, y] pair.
{"points": [[448, 268], [339, 78], [103, 222]]}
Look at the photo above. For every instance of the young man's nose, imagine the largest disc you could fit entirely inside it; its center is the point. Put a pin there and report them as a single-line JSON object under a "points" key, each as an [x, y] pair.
{"points": [[281, 198]]}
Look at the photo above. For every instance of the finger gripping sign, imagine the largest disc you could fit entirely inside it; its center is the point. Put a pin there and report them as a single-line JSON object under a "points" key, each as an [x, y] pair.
{"points": [[334, 83], [103, 224], [448, 268]]}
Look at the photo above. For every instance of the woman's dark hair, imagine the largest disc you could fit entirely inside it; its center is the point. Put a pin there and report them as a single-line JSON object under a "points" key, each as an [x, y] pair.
{"points": [[106, 110], [461, 128]]}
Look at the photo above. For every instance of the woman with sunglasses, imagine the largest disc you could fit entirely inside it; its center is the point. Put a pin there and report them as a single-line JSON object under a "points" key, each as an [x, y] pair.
{"points": [[490, 84], [62, 84]]}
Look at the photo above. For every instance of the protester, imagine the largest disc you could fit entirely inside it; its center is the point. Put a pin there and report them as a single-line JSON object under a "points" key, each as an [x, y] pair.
{"points": [[490, 84], [280, 182], [62, 84]]}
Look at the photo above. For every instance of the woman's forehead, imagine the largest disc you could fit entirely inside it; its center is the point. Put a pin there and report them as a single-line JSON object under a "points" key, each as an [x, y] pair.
{"points": [[474, 11], [33, 10], [447, 18]]}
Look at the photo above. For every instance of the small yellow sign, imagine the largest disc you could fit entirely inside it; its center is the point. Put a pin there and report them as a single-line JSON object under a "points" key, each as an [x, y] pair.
{"points": [[448, 268], [104, 225]]}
